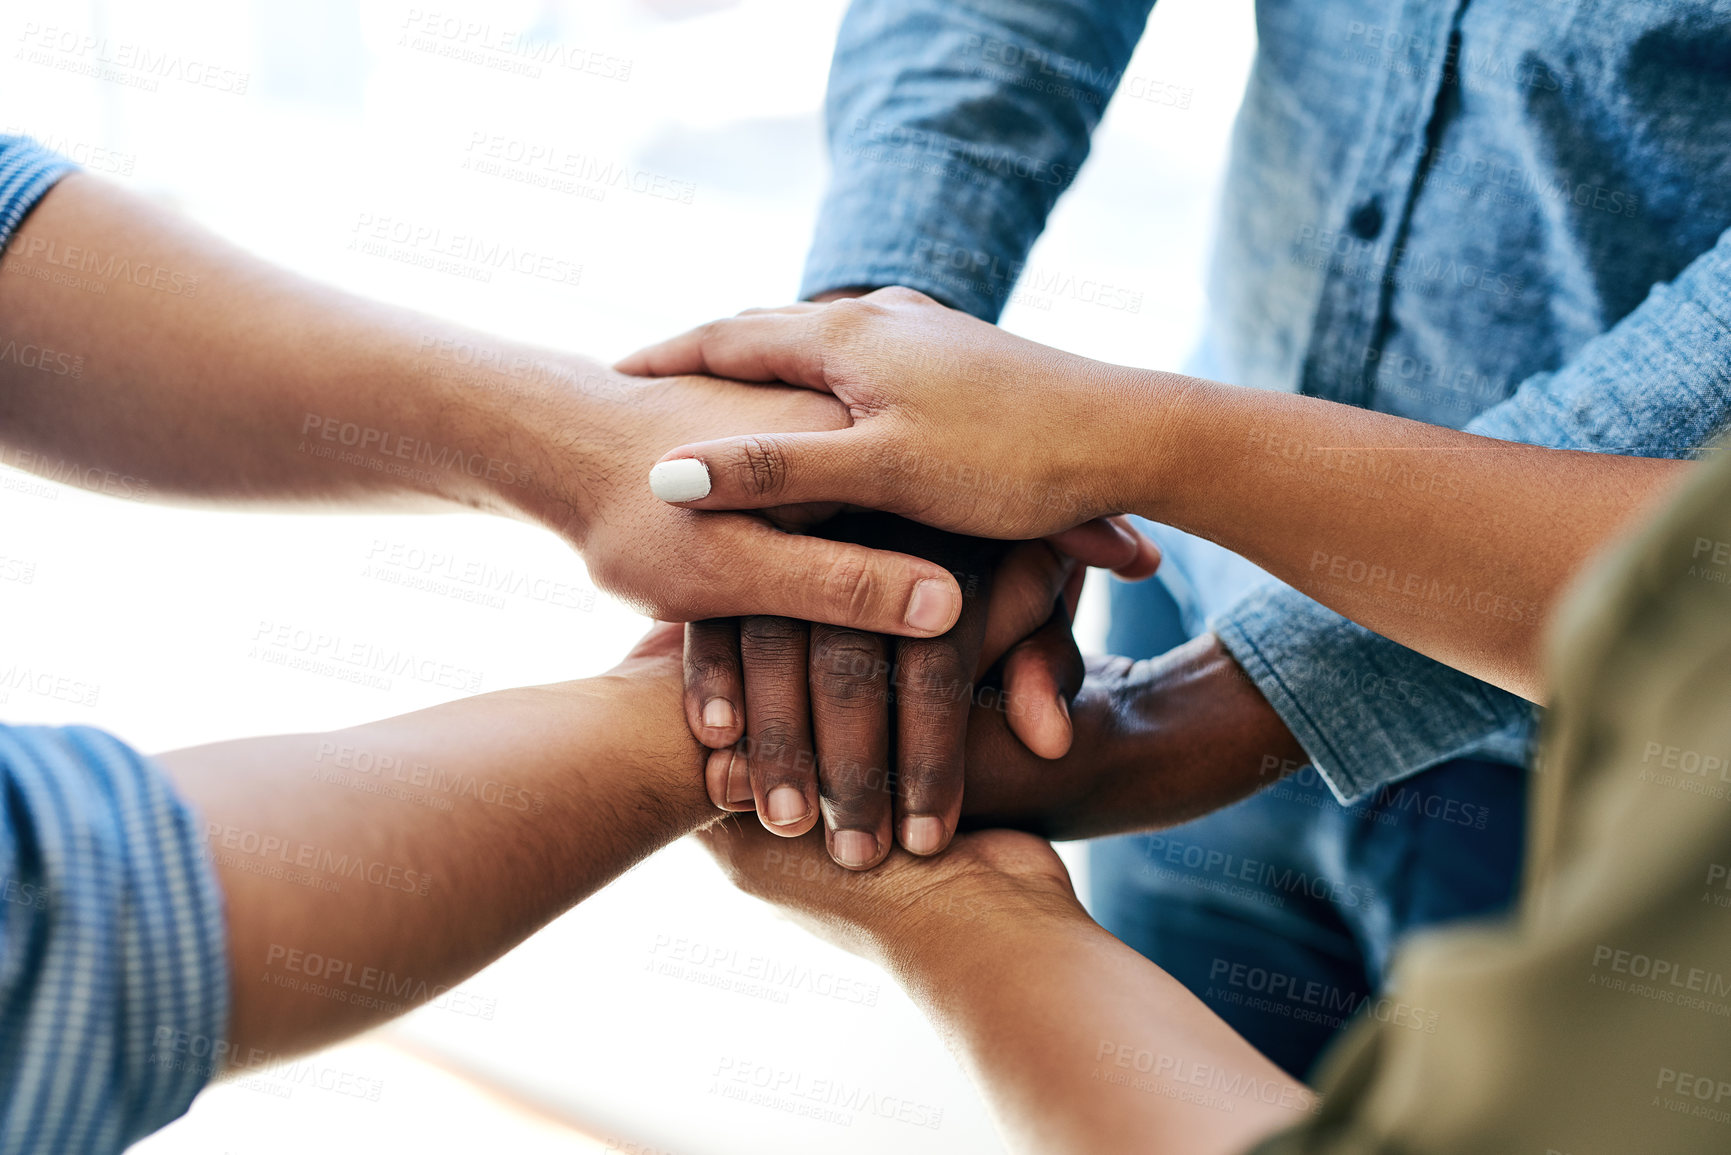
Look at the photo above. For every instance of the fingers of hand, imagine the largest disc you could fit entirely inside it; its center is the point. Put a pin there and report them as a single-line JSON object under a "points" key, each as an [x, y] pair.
{"points": [[777, 744], [850, 715]]}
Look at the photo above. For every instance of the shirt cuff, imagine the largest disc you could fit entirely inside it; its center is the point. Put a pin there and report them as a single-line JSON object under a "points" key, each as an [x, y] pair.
{"points": [[919, 216], [27, 172], [1367, 711], [1656, 384], [115, 976]]}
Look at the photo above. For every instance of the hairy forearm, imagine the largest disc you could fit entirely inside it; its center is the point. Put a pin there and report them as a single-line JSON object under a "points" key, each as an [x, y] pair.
{"points": [[194, 371], [1080, 1044], [1452, 544], [394, 859]]}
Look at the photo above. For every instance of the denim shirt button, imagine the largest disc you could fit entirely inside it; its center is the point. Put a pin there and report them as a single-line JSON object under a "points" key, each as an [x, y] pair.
{"points": [[1366, 220]]}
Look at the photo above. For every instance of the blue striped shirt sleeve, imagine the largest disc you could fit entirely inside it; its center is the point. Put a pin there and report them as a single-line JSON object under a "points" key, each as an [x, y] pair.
{"points": [[114, 985], [27, 171]]}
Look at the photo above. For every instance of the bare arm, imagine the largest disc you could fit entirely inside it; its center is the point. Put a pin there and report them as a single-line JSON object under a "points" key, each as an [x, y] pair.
{"points": [[394, 859], [1453, 544], [196, 372], [1082, 1046]]}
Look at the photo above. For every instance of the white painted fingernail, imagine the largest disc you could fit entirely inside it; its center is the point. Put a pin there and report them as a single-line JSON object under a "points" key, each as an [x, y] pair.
{"points": [[685, 479]]}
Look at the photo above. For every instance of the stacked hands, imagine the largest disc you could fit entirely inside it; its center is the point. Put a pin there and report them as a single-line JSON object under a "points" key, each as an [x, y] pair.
{"points": [[877, 731]]}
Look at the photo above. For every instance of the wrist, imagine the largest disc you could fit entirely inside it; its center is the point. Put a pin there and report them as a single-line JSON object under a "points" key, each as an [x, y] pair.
{"points": [[641, 701], [557, 424], [938, 941], [1191, 733], [1155, 433]]}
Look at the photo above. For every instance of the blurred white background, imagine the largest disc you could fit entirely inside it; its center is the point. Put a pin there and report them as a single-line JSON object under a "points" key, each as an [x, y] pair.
{"points": [[318, 115]]}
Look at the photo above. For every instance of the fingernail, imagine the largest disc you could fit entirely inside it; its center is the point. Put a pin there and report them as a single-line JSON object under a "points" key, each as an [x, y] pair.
{"points": [[718, 760], [1063, 707], [922, 834], [685, 479], [785, 805], [738, 782], [929, 610], [718, 714], [855, 848]]}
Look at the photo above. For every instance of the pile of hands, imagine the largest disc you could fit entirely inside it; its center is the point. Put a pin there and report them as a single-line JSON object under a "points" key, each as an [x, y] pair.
{"points": [[967, 704]]}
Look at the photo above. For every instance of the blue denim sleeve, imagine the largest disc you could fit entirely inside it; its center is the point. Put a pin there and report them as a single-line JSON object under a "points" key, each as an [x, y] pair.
{"points": [[954, 125], [27, 171], [113, 948], [1369, 711]]}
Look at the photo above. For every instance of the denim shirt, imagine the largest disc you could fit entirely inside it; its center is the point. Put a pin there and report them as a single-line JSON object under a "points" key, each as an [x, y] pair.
{"points": [[1505, 216]]}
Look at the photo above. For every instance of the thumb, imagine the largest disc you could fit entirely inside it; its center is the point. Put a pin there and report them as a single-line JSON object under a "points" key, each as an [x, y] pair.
{"points": [[1041, 676], [763, 470], [841, 584]]}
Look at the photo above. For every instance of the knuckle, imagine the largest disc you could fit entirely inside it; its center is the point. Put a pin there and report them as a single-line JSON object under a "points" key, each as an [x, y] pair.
{"points": [[762, 467], [848, 665], [855, 789], [773, 639], [902, 295], [852, 582], [931, 670], [710, 666], [776, 746]]}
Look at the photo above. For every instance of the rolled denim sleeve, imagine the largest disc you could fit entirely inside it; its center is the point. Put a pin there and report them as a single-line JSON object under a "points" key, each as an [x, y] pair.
{"points": [[1368, 711], [27, 171], [953, 126], [113, 951]]}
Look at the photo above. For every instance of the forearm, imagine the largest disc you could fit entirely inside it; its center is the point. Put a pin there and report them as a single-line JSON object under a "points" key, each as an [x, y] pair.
{"points": [[392, 860], [1157, 742], [205, 374], [1080, 1044], [1452, 544]]}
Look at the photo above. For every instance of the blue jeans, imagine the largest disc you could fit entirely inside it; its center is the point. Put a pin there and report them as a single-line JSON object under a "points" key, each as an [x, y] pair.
{"points": [[1281, 912]]}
